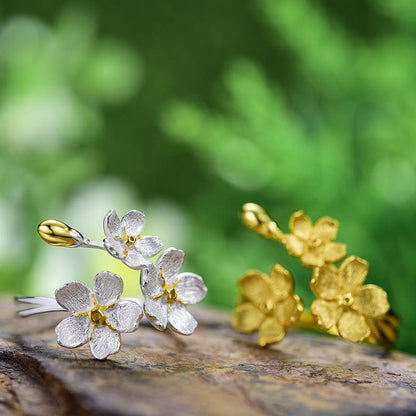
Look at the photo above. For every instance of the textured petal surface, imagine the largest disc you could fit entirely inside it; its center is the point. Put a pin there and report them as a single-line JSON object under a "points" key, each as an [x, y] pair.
{"points": [[73, 331], [170, 262], [115, 247], [313, 257], [282, 282], [190, 288], [104, 342], [294, 245], [112, 224], [180, 320], [334, 252], [108, 288], [371, 301], [124, 316], [352, 326], [247, 318], [256, 287], [325, 313], [270, 332], [289, 311], [300, 225], [326, 282], [149, 246], [326, 229], [353, 272], [150, 281], [75, 297], [133, 222], [134, 259], [156, 312]]}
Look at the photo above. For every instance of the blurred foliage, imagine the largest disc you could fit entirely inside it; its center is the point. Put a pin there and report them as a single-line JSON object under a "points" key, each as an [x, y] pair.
{"points": [[341, 143], [53, 80], [291, 104]]}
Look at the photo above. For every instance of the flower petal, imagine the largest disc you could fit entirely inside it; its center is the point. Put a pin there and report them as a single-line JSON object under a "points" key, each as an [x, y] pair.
{"points": [[270, 332], [326, 282], [150, 281], [325, 313], [108, 288], [371, 301], [170, 262], [300, 225], [149, 246], [313, 257], [134, 259], [256, 287], [334, 252], [180, 320], [294, 245], [156, 312], [326, 228], [246, 317], [282, 282], [190, 288], [104, 342], [115, 247], [353, 273], [73, 331], [352, 326], [112, 224], [133, 222], [124, 316], [289, 311], [75, 297]]}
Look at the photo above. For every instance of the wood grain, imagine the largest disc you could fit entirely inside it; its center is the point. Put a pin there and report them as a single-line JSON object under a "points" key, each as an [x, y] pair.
{"points": [[216, 371]]}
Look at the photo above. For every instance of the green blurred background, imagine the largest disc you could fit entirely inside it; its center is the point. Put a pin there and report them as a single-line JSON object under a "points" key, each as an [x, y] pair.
{"points": [[188, 109]]}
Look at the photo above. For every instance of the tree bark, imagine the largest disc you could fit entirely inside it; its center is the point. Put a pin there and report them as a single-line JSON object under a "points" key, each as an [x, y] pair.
{"points": [[216, 371]]}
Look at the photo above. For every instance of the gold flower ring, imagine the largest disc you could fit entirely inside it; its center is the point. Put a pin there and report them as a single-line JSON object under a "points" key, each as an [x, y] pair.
{"points": [[344, 305]]}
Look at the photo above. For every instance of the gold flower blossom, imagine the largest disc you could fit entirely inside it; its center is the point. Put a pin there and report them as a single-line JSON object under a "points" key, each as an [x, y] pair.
{"points": [[313, 243], [343, 302], [344, 306], [268, 305]]}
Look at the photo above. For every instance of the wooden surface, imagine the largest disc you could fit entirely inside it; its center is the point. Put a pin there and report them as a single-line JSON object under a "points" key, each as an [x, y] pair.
{"points": [[216, 371]]}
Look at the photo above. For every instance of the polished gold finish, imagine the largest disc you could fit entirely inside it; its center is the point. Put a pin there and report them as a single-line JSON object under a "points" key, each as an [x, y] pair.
{"points": [[344, 306], [169, 292], [97, 315], [130, 240], [56, 233], [255, 218]]}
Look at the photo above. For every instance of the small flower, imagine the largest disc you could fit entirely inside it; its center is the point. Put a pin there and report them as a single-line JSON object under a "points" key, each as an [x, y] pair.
{"points": [[342, 300], [125, 242], [97, 316], [313, 244], [268, 305], [166, 293]]}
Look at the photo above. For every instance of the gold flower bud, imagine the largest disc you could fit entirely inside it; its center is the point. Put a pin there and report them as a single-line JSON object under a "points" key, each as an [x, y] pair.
{"points": [[57, 233], [255, 218]]}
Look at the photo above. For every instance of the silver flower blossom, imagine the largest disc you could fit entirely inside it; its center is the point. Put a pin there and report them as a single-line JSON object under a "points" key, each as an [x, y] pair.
{"points": [[166, 293], [125, 242], [97, 316]]}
